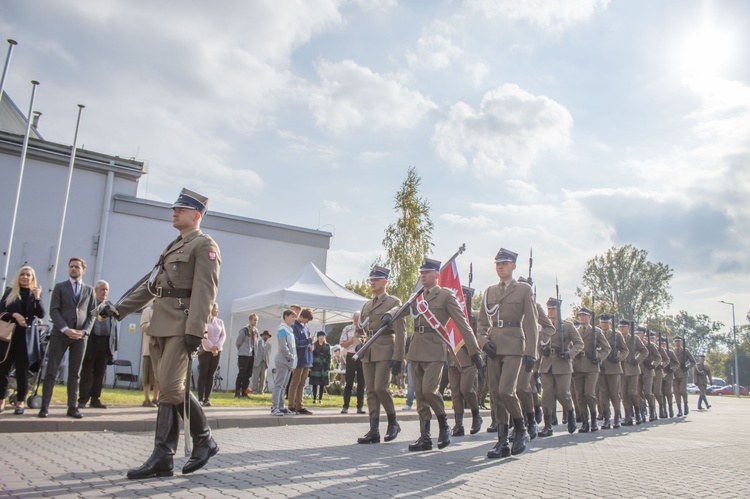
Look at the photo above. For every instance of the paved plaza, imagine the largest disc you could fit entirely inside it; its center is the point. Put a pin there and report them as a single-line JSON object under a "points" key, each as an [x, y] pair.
{"points": [[706, 454]]}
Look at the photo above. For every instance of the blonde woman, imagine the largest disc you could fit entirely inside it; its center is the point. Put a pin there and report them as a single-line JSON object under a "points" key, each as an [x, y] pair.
{"points": [[21, 302]]}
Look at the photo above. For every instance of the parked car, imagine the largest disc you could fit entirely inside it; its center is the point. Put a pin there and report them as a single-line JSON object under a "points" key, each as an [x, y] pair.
{"points": [[729, 390], [692, 388], [718, 382], [710, 389]]}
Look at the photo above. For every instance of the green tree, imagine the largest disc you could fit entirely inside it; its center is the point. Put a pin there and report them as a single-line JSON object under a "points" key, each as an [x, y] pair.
{"points": [[407, 241], [362, 288], [627, 283], [701, 334]]}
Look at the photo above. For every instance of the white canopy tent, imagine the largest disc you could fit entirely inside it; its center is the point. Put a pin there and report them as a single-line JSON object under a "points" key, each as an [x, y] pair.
{"points": [[330, 302]]}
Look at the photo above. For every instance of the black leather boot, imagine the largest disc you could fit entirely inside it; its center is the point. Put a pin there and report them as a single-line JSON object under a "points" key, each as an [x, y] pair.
{"points": [[444, 432], [652, 413], [571, 422], [585, 428], [662, 412], [679, 407], [607, 425], [393, 428], [531, 425], [424, 442], [578, 417], [564, 417], [204, 446], [671, 410], [594, 426], [547, 430], [372, 436], [476, 422], [628, 416], [161, 462], [502, 448], [538, 414], [686, 407], [554, 419], [616, 422], [458, 428], [638, 415], [522, 437], [492, 428]]}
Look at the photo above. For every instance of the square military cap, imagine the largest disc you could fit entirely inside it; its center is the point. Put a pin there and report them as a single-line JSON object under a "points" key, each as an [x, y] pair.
{"points": [[191, 200], [678, 338], [504, 255], [553, 303], [652, 334], [585, 311], [605, 318], [430, 264], [640, 329], [623, 322], [378, 272]]}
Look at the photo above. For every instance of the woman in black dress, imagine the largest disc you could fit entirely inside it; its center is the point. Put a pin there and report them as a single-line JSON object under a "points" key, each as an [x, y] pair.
{"points": [[321, 366], [20, 303]]}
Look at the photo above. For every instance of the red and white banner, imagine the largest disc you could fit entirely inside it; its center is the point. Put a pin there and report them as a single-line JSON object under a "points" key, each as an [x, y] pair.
{"points": [[450, 279]]}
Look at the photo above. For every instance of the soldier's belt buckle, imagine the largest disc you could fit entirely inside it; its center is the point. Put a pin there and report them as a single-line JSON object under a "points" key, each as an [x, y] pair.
{"points": [[499, 323], [158, 291], [553, 351], [419, 329]]}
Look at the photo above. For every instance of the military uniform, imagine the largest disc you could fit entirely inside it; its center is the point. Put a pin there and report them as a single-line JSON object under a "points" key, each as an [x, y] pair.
{"points": [[631, 373], [646, 384], [586, 371], [183, 286], [428, 352], [380, 357], [659, 377], [702, 377], [669, 378], [462, 375], [685, 361], [557, 369], [610, 380], [508, 331]]}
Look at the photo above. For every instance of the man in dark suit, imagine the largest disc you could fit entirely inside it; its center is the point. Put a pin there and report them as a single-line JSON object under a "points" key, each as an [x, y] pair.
{"points": [[100, 352], [73, 312]]}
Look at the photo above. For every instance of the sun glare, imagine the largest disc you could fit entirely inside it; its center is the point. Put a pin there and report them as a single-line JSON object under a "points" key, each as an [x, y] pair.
{"points": [[706, 52]]}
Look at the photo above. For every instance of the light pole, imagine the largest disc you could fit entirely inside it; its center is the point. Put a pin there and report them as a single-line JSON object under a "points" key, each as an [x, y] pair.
{"points": [[736, 361]]}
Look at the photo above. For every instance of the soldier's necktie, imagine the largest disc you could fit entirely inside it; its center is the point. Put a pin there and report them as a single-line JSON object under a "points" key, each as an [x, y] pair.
{"points": [[502, 288]]}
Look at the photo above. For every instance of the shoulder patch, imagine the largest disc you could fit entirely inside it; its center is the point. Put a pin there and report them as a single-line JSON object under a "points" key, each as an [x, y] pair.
{"points": [[212, 255]]}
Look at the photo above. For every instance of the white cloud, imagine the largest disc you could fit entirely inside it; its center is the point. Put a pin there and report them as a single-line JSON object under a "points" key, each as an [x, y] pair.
{"points": [[334, 206], [477, 72], [352, 96], [375, 5], [434, 49], [509, 131], [555, 14]]}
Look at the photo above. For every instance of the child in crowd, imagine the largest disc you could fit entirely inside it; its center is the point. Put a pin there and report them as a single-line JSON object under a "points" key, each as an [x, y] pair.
{"points": [[286, 360]]}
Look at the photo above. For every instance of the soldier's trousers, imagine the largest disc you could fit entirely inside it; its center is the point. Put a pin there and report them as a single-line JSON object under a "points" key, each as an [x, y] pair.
{"points": [[630, 392], [426, 377], [658, 383], [502, 378], [377, 387], [680, 389], [585, 384], [574, 396], [169, 358], [702, 396], [556, 387], [463, 387], [647, 385], [666, 390], [525, 388], [609, 391]]}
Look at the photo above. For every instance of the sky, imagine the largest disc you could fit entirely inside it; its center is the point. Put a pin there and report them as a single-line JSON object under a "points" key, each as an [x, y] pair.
{"points": [[566, 126]]}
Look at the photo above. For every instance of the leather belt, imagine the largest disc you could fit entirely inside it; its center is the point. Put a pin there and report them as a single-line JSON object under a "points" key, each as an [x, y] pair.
{"points": [[502, 323], [423, 329], [162, 292]]}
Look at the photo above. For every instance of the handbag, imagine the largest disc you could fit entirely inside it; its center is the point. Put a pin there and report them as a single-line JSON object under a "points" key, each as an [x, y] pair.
{"points": [[6, 329]]}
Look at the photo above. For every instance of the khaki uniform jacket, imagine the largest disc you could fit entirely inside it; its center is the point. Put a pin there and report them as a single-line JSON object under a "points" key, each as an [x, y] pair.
{"points": [[190, 263], [653, 358], [581, 363], [674, 364], [391, 344], [680, 373], [622, 352], [641, 352], [702, 375], [666, 361], [515, 305], [553, 364], [426, 344]]}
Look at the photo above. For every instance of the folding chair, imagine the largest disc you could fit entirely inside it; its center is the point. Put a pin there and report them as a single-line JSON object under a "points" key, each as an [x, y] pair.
{"points": [[123, 374]]}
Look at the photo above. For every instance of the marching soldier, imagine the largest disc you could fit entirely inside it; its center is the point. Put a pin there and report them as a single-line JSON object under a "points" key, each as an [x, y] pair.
{"points": [[646, 384], [183, 286], [685, 361], [384, 356], [558, 348], [586, 368], [668, 364], [658, 375], [702, 377], [610, 380], [631, 372], [463, 381], [508, 334], [428, 352]]}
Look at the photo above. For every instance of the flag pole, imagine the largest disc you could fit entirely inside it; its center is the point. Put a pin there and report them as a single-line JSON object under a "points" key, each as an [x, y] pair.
{"points": [[11, 43], [67, 197], [25, 148]]}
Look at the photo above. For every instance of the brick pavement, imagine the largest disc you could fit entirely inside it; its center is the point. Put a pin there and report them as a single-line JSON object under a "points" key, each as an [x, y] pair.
{"points": [[704, 455]]}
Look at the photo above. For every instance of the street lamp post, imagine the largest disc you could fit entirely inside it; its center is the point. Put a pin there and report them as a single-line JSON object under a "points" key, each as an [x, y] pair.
{"points": [[736, 361]]}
